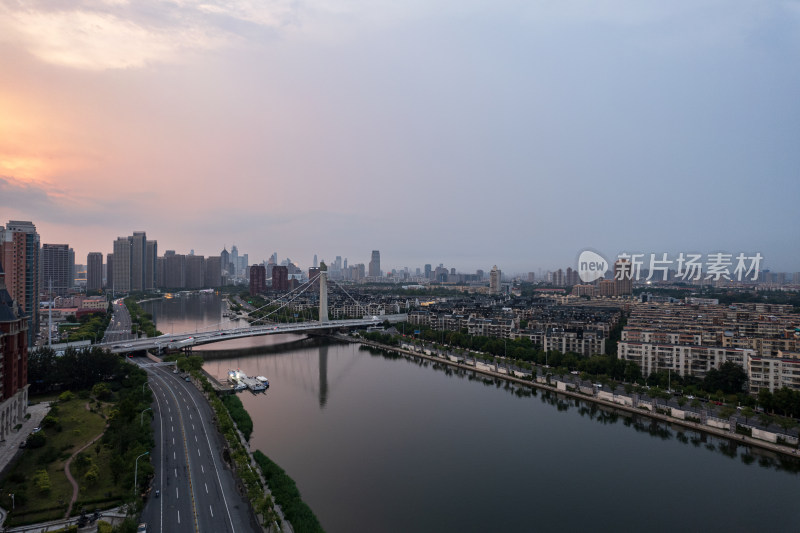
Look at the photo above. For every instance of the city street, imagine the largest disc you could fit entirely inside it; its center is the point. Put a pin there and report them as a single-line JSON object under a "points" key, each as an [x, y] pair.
{"points": [[119, 329], [197, 491]]}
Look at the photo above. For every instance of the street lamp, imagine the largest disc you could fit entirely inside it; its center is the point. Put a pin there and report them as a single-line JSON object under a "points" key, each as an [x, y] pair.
{"points": [[141, 416], [12, 500], [143, 386], [136, 471]]}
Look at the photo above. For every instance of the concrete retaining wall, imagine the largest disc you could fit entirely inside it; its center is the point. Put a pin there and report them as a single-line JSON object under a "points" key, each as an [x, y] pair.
{"points": [[717, 423], [765, 435], [678, 413], [624, 400], [603, 395], [560, 385]]}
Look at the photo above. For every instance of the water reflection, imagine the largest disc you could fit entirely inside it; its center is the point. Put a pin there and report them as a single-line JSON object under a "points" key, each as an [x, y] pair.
{"points": [[608, 415], [323, 375]]}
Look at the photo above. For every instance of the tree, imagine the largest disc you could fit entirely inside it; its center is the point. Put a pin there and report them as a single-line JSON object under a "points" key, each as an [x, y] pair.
{"points": [[92, 475], [747, 412], [41, 481], [101, 391]]}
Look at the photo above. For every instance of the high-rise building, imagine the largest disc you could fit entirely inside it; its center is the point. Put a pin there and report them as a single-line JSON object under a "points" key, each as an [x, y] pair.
{"points": [[94, 271], [280, 278], [213, 271], [234, 262], [225, 257], [19, 254], [122, 265], [138, 260], [375, 264], [623, 277], [13, 360], [73, 273], [495, 277], [109, 271], [151, 265], [174, 270], [316, 263], [195, 271], [258, 279], [428, 271], [56, 270]]}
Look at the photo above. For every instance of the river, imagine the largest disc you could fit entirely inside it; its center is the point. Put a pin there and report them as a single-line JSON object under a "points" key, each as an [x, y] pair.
{"points": [[383, 443]]}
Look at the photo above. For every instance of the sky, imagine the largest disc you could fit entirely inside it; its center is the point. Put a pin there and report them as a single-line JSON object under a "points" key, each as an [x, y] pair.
{"points": [[515, 133]]}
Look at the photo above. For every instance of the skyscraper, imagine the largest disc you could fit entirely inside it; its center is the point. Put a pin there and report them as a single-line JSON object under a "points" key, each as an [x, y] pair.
{"points": [[94, 271], [19, 247], [195, 271], [56, 269], [138, 260], [110, 272], [150, 266], [225, 258], [495, 277], [122, 265], [234, 261], [375, 264], [213, 271]]}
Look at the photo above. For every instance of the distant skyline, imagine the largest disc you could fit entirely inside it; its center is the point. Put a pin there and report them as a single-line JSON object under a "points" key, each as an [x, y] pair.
{"points": [[464, 133]]}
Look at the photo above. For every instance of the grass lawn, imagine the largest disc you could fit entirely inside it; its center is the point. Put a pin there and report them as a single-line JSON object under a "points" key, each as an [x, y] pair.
{"points": [[77, 427]]}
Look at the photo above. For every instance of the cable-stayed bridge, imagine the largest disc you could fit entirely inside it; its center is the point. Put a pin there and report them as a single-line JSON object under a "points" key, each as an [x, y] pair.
{"points": [[179, 341]]}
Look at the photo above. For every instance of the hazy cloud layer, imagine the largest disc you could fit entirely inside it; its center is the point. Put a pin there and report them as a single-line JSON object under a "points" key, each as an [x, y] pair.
{"points": [[466, 133]]}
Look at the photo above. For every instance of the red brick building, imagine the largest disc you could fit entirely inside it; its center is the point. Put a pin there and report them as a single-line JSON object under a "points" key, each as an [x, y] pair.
{"points": [[258, 279], [14, 357]]}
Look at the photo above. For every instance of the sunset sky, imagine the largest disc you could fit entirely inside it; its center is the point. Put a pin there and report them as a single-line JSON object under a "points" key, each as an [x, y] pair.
{"points": [[467, 133]]}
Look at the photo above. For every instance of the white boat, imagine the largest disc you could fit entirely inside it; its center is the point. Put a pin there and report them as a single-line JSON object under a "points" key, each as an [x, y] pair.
{"points": [[242, 381], [262, 379]]}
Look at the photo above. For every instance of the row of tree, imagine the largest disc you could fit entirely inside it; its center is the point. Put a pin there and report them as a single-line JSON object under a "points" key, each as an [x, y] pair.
{"points": [[141, 319], [74, 370]]}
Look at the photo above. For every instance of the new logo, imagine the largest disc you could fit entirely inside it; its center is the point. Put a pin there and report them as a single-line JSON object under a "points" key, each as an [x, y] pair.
{"points": [[591, 266]]}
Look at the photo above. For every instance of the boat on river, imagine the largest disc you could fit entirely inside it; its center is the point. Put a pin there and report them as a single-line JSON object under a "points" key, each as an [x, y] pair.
{"points": [[241, 381]]}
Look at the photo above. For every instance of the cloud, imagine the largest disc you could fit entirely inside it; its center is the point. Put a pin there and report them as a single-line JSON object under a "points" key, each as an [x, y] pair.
{"points": [[117, 34]]}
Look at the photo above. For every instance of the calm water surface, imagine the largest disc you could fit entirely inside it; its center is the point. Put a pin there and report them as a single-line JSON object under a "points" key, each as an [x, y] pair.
{"points": [[378, 443]]}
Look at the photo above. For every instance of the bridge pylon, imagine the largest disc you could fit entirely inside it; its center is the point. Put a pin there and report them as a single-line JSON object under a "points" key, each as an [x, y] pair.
{"points": [[323, 293]]}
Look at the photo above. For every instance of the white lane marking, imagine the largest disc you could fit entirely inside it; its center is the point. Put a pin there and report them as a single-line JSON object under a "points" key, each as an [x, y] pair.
{"points": [[176, 493], [179, 517], [172, 428], [203, 470], [173, 441], [190, 416], [192, 427], [195, 438], [212, 511], [206, 484], [198, 452], [173, 455], [176, 472]]}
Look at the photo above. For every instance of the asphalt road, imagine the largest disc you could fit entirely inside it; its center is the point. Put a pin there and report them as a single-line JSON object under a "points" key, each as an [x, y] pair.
{"points": [[119, 329], [198, 491]]}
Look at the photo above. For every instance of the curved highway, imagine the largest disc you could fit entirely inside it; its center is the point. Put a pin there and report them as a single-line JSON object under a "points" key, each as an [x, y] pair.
{"points": [[198, 491]]}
